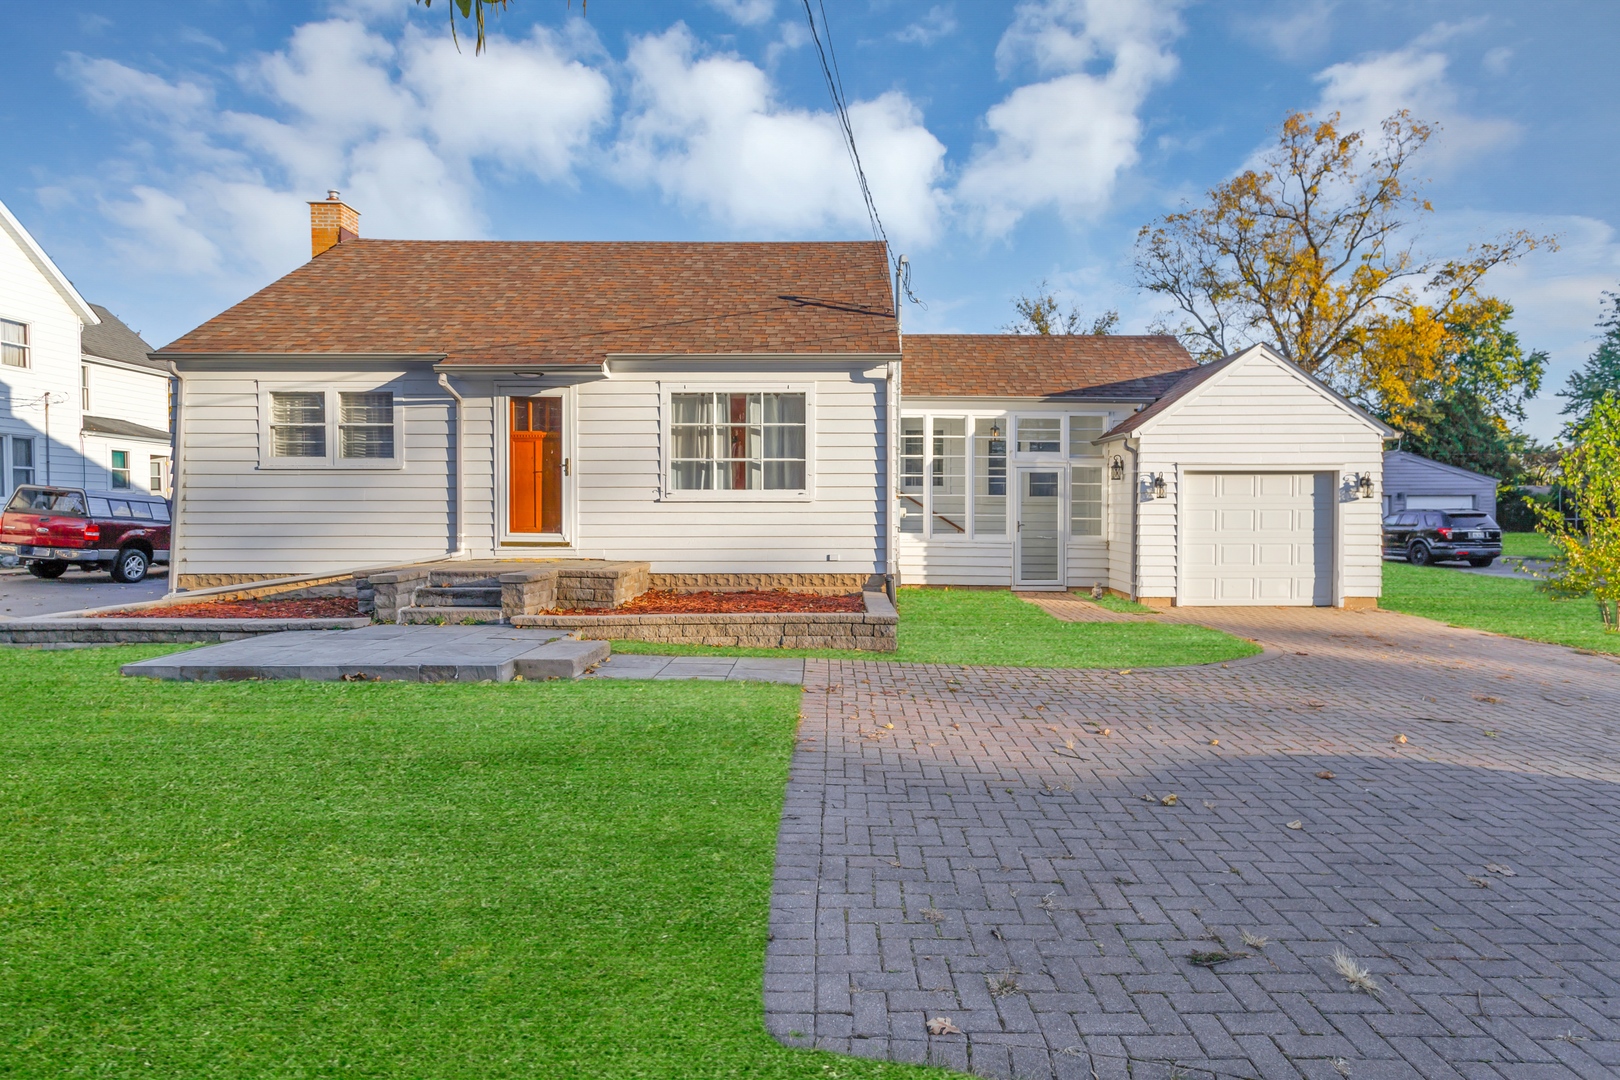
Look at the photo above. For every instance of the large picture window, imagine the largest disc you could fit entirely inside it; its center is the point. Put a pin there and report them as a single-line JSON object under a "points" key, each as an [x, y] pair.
{"points": [[737, 442]]}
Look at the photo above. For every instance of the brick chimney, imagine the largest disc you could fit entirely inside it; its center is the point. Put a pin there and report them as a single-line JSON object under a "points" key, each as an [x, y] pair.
{"points": [[331, 222]]}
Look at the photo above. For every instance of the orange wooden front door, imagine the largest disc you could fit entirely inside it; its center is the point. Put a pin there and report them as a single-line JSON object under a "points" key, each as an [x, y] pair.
{"points": [[536, 465]]}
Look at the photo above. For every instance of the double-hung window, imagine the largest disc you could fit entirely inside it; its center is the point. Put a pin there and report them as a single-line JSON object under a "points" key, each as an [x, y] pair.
{"points": [[13, 343], [22, 461], [120, 470], [313, 428], [1085, 476], [737, 442]]}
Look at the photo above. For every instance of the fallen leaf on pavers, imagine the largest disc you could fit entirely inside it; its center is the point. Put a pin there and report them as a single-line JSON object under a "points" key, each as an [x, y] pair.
{"points": [[1296, 824], [1498, 868], [1489, 734], [1314, 704], [1125, 671], [1325, 774], [1400, 739], [1213, 958], [1487, 699], [1168, 800], [889, 726], [1208, 805], [1106, 731], [941, 1025], [1481, 882], [1302, 654], [1214, 742]]}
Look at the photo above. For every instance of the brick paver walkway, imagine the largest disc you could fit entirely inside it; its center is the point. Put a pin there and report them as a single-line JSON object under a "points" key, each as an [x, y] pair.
{"points": [[1002, 856]]}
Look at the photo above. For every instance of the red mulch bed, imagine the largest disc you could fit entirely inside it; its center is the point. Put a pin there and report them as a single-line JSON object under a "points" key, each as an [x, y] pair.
{"points": [[728, 603], [329, 607]]}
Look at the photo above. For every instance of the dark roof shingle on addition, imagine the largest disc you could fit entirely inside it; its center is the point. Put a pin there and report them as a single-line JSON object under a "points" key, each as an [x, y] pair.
{"points": [[111, 339], [522, 303], [1103, 367]]}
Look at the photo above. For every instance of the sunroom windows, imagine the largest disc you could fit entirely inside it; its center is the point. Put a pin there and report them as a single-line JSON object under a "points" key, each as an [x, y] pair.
{"points": [[957, 473]]}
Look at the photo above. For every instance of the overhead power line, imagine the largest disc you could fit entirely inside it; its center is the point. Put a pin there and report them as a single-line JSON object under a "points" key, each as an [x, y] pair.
{"points": [[835, 87]]}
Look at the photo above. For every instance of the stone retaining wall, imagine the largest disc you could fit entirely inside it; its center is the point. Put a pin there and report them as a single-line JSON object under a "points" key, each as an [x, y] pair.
{"points": [[873, 631], [61, 633], [820, 584]]}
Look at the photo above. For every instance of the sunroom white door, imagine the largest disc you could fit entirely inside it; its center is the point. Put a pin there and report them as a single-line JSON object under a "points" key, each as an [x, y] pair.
{"points": [[1038, 546]]}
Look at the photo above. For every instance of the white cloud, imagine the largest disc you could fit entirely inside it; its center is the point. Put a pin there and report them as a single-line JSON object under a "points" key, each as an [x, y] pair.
{"points": [[1063, 142], [1496, 61], [1292, 30], [399, 124], [747, 12], [939, 22], [1366, 91], [707, 132]]}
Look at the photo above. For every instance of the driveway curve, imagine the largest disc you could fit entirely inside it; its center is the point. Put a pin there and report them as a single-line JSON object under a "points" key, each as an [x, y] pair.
{"points": [[1102, 874]]}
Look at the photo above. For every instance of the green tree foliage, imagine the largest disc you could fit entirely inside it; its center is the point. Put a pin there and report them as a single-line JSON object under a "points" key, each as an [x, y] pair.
{"points": [[1601, 375], [1459, 429], [1586, 535], [1042, 314]]}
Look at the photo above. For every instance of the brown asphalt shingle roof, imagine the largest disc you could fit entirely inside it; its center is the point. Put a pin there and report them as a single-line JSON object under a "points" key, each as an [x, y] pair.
{"points": [[497, 302], [1038, 365]]}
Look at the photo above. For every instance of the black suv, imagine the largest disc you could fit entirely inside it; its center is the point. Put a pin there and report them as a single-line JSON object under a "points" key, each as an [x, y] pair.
{"points": [[1429, 536]]}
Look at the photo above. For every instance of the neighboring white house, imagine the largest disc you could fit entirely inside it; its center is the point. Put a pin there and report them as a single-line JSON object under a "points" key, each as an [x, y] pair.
{"points": [[735, 414], [80, 401]]}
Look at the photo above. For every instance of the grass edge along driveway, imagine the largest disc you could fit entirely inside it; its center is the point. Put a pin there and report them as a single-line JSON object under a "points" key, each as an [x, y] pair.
{"points": [[1514, 607], [291, 879], [995, 628]]}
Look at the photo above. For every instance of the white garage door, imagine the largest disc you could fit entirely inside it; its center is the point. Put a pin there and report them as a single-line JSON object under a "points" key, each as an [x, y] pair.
{"points": [[1439, 502], [1258, 538]]}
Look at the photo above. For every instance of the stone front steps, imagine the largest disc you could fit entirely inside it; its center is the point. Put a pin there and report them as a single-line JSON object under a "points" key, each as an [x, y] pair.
{"points": [[496, 590]]}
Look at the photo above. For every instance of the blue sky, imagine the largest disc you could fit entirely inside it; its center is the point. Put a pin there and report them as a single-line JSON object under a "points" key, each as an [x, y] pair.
{"points": [[163, 152]]}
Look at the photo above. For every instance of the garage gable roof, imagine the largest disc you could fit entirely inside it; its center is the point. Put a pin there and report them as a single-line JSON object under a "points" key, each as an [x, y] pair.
{"points": [[1195, 382], [1420, 461]]}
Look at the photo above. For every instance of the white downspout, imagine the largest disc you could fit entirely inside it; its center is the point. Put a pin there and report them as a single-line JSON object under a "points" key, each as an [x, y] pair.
{"points": [[1136, 528], [179, 486], [460, 551], [892, 457]]}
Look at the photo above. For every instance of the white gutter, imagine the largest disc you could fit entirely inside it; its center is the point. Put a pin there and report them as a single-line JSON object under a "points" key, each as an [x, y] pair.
{"points": [[460, 551], [1136, 528], [892, 455], [179, 487]]}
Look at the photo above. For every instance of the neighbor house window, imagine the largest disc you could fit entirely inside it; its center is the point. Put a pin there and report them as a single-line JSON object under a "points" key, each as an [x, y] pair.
{"points": [[1083, 429], [13, 343], [1040, 435], [22, 461], [298, 424], [84, 387], [989, 477], [737, 442], [160, 476], [1085, 500], [949, 476], [120, 470], [910, 493], [366, 425]]}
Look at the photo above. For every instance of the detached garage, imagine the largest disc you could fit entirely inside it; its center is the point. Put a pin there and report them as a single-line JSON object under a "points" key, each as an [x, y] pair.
{"points": [[1412, 482]]}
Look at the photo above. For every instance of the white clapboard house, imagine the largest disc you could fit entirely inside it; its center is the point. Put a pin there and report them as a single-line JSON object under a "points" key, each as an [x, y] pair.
{"points": [[82, 403], [743, 414]]}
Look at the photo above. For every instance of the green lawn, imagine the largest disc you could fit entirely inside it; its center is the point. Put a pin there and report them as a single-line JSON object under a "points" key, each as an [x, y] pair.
{"points": [[1500, 605], [387, 880], [992, 626], [1531, 545]]}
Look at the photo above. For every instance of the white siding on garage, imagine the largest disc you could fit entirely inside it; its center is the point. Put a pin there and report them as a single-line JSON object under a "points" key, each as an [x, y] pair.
{"points": [[1261, 416], [237, 518]]}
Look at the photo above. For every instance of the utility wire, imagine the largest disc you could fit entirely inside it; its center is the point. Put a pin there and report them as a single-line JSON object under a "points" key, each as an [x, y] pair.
{"points": [[835, 87]]}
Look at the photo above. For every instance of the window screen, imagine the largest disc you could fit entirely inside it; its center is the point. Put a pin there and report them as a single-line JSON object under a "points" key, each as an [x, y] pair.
{"points": [[948, 476], [1040, 435], [910, 494], [1082, 429], [989, 477], [737, 442], [298, 424], [1085, 500]]}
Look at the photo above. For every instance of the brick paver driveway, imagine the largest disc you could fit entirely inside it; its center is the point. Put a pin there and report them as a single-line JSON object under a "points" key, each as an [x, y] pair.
{"points": [[1003, 856]]}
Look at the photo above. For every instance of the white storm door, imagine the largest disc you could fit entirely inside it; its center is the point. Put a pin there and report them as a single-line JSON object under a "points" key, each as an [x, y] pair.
{"points": [[1258, 539], [1038, 548]]}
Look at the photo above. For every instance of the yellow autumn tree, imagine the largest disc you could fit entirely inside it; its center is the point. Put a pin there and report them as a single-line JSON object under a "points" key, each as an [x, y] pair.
{"points": [[1312, 252]]}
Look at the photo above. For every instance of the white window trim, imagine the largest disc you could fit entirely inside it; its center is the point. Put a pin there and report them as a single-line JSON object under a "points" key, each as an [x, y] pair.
{"points": [[504, 393], [667, 491], [27, 345], [331, 460]]}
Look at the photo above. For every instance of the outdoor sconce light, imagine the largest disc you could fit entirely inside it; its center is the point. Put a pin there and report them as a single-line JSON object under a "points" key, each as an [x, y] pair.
{"points": [[1364, 485], [1160, 488], [995, 429], [1116, 468]]}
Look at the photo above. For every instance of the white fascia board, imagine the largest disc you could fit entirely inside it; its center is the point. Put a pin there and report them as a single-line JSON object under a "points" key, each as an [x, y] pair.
{"points": [[43, 263]]}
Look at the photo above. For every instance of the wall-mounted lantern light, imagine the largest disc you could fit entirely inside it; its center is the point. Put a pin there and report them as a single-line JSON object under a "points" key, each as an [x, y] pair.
{"points": [[995, 429], [1160, 488], [1364, 485], [1116, 468]]}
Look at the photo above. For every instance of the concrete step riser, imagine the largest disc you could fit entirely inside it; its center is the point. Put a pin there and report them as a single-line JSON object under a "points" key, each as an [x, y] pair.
{"points": [[449, 616], [459, 596], [440, 579]]}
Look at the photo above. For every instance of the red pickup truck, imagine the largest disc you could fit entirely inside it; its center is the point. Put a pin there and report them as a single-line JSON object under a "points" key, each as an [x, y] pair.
{"points": [[51, 528]]}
